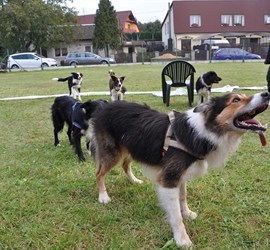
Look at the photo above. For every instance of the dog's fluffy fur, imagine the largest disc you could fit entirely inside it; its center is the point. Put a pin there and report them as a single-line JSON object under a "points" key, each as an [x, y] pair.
{"points": [[75, 82], [76, 115], [212, 131], [117, 89], [204, 84]]}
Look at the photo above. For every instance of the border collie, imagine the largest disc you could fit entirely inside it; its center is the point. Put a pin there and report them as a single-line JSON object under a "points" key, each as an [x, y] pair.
{"points": [[76, 115], [117, 89], [74, 84], [204, 85], [174, 148]]}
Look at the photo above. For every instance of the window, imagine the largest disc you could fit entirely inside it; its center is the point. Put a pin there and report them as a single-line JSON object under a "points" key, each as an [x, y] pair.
{"points": [[88, 48], [60, 52], [195, 21], [239, 20], [267, 19], [226, 20]]}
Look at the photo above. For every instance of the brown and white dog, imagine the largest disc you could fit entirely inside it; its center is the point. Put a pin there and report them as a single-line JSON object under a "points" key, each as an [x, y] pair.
{"points": [[204, 84], [117, 89], [174, 148], [74, 84]]}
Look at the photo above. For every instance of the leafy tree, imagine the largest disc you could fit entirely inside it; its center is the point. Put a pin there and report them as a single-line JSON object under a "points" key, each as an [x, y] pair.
{"points": [[106, 33], [29, 25], [150, 30]]}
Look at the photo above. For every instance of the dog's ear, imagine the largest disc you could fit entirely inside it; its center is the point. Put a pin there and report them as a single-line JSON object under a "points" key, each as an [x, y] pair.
{"points": [[113, 77], [203, 108], [122, 78]]}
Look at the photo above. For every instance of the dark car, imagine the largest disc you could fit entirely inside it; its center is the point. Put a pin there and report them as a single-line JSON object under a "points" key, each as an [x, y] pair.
{"points": [[86, 58], [234, 54]]}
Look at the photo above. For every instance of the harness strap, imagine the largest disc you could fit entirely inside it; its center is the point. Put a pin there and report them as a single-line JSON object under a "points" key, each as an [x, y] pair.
{"points": [[168, 142], [75, 123]]}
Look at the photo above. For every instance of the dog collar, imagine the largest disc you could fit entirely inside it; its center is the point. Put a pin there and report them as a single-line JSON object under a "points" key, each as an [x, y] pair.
{"points": [[169, 142], [203, 82]]}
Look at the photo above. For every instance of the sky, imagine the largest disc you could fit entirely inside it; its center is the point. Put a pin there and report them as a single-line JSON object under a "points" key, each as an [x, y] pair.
{"points": [[143, 10]]}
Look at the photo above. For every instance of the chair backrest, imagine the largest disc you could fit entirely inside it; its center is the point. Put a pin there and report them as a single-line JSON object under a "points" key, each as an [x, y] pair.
{"points": [[178, 71]]}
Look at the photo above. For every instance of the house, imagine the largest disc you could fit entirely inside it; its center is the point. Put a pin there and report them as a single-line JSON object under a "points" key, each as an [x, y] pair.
{"points": [[127, 24], [189, 22]]}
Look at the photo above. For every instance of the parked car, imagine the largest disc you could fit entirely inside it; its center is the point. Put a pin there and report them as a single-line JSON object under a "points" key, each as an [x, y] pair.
{"points": [[29, 60], [86, 58], [234, 54]]}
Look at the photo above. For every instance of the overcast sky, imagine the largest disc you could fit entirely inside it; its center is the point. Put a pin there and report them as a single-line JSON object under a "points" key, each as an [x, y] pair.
{"points": [[144, 10]]}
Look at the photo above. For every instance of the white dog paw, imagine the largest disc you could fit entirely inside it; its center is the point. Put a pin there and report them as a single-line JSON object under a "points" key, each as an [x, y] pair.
{"points": [[184, 243], [189, 215], [104, 198], [138, 181]]}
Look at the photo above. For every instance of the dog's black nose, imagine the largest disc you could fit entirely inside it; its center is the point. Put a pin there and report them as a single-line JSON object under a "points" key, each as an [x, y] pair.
{"points": [[266, 95]]}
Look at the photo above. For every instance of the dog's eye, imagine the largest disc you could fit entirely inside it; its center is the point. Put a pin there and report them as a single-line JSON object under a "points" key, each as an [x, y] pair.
{"points": [[236, 99]]}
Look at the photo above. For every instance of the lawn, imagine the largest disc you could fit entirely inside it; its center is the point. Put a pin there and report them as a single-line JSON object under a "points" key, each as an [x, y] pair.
{"points": [[48, 200]]}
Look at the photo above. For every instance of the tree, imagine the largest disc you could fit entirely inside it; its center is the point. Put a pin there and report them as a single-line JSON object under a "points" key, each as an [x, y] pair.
{"points": [[31, 25], [150, 30], [107, 33]]}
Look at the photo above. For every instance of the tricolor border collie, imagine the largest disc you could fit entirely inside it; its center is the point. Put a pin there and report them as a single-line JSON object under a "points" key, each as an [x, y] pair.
{"points": [[74, 84], [67, 110], [117, 89], [204, 84], [174, 148]]}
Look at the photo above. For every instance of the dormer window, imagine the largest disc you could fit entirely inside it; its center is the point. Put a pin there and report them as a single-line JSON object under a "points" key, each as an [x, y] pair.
{"points": [[239, 20], [267, 19], [226, 20], [195, 21]]}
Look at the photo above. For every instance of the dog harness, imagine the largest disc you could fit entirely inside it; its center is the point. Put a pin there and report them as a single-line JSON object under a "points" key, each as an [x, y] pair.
{"points": [[169, 142], [75, 122]]}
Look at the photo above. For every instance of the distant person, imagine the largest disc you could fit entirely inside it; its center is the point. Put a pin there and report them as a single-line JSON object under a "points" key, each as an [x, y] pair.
{"points": [[267, 61]]}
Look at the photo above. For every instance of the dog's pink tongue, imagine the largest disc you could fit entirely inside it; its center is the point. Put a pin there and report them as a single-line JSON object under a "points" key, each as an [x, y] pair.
{"points": [[263, 139]]}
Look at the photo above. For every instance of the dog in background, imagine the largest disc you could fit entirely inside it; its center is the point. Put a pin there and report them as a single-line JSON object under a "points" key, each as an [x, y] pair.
{"points": [[117, 89], [173, 148], [74, 84], [76, 115], [204, 85]]}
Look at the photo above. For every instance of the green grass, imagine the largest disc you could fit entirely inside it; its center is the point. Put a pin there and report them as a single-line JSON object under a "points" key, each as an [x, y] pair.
{"points": [[48, 200]]}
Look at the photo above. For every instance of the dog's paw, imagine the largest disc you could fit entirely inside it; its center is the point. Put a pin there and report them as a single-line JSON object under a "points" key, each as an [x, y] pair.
{"points": [[189, 215], [104, 198], [136, 180], [184, 242]]}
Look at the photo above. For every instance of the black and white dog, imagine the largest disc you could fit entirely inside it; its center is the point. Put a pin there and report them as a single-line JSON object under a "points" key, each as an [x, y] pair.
{"points": [[173, 148], [204, 85], [76, 115], [74, 84], [117, 89]]}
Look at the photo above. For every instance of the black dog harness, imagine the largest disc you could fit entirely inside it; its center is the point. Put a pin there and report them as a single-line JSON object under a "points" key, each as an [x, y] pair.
{"points": [[169, 142]]}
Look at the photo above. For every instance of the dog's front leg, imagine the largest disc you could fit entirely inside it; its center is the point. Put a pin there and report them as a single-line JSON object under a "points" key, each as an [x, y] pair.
{"points": [[186, 212], [208, 96], [169, 199], [77, 143]]}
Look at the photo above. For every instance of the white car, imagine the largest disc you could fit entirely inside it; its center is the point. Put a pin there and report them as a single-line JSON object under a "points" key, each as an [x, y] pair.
{"points": [[29, 60]]}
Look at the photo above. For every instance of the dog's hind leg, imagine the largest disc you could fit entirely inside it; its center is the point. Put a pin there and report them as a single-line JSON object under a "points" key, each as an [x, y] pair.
{"points": [[128, 170], [169, 199], [103, 196], [186, 212]]}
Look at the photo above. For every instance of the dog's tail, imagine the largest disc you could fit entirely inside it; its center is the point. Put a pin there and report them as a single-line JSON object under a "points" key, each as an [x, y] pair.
{"points": [[60, 79]]}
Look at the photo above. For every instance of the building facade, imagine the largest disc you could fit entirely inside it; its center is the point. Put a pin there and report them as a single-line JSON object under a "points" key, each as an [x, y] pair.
{"points": [[189, 22]]}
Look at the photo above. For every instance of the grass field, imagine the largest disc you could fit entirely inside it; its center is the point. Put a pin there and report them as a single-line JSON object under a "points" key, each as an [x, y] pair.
{"points": [[48, 200]]}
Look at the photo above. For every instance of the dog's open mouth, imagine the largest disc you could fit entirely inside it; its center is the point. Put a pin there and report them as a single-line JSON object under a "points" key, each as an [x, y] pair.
{"points": [[246, 121]]}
